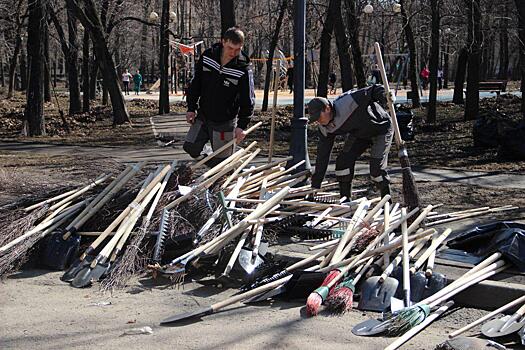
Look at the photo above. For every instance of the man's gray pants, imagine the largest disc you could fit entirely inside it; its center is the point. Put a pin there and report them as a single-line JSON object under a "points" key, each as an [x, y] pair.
{"points": [[354, 148], [218, 133]]}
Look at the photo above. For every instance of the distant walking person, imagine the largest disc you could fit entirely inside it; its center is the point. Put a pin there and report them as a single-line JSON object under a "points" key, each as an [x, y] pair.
{"points": [[440, 78], [424, 75], [289, 75], [125, 81], [137, 82], [332, 79]]}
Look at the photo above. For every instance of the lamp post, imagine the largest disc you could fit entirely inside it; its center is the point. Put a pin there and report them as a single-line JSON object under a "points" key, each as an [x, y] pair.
{"points": [[299, 144]]}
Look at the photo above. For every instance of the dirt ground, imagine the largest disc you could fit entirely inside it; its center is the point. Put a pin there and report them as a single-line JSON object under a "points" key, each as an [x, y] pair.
{"points": [[37, 309]]}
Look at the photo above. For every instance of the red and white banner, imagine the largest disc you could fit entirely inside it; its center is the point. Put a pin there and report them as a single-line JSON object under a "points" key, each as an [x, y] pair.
{"points": [[187, 49]]}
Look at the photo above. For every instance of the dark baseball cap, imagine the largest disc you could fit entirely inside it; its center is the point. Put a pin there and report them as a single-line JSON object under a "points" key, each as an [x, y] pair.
{"points": [[316, 106]]}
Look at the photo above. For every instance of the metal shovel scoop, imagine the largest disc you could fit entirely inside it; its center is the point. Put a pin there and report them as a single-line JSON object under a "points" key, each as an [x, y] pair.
{"points": [[376, 295], [59, 252], [421, 286], [369, 327], [505, 325], [76, 267]]}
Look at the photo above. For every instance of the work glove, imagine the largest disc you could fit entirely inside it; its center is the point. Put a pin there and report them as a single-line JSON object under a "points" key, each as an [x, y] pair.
{"points": [[391, 97]]}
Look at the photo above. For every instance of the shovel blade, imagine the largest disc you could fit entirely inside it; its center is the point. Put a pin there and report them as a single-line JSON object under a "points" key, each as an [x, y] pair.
{"points": [[375, 296], [59, 253], [502, 327], [208, 310], [75, 268], [369, 327], [435, 283], [83, 277], [247, 262], [100, 271]]}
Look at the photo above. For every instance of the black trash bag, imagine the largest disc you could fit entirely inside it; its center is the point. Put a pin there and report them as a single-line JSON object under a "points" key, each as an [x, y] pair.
{"points": [[507, 237], [512, 143], [485, 131], [404, 118]]}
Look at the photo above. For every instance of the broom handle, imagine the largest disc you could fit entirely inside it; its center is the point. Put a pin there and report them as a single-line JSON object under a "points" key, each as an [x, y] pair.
{"points": [[49, 200], [97, 182], [232, 158], [391, 109], [463, 279], [505, 307], [105, 196], [240, 168], [456, 213], [475, 279], [351, 230], [378, 239], [406, 261], [126, 211], [386, 240], [129, 222], [431, 249], [229, 144], [414, 250], [415, 330]]}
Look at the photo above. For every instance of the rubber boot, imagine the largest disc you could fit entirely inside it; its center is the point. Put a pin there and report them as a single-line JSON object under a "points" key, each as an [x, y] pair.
{"points": [[384, 188], [345, 190]]}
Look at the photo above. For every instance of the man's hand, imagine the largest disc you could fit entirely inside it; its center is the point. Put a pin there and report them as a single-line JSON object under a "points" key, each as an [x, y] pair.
{"points": [[239, 134], [391, 97], [190, 117]]}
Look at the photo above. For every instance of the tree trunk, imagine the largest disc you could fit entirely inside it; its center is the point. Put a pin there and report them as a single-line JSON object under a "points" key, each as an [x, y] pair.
{"points": [[34, 123], [461, 70], [47, 68], [503, 53], [93, 76], [2, 77], [72, 63], [143, 41], [326, 45], [227, 15], [345, 61], [273, 46], [521, 34], [353, 29], [473, 65], [12, 66], [412, 67], [446, 65], [164, 99], [85, 72], [91, 21], [23, 69], [434, 61]]}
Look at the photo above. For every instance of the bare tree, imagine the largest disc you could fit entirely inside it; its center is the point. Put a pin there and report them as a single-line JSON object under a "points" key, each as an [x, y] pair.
{"points": [[434, 61], [34, 123], [474, 59]]}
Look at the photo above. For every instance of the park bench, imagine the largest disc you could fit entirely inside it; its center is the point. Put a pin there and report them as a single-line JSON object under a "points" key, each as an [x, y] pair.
{"points": [[496, 86]]}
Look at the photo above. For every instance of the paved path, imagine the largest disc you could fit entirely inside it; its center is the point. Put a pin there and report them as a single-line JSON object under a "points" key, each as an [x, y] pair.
{"points": [[286, 98], [174, 127]]}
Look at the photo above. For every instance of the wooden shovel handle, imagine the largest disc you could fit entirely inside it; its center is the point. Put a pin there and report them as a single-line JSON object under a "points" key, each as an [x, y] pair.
{"points": [[432, 248]]}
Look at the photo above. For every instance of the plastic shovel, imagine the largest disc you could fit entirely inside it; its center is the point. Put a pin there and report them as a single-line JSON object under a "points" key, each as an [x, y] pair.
{"points": [[505, 325]]}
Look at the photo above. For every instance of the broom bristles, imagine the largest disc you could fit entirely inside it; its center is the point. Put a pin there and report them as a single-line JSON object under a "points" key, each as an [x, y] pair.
{"points": [[410, 192], [315, 299], [341, 300], [406, 319], [313, 303]]}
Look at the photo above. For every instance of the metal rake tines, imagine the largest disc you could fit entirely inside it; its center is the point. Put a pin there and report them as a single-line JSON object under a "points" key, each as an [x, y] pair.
{"points": [[289, 221], [161, 237], [325, 199], [264, 281], [308, 233]]}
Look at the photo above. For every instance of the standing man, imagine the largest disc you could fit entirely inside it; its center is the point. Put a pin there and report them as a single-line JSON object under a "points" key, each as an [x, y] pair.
{"points": [[220, 98], [358, 115], [125, 81], [137, 82]]}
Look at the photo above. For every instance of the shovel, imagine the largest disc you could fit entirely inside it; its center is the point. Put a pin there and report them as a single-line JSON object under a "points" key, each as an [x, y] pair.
{"points": [[64, 246], [505, 325]]}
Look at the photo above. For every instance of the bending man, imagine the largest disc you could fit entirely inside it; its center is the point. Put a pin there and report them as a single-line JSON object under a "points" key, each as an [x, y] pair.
{"points": [[358, 115]]}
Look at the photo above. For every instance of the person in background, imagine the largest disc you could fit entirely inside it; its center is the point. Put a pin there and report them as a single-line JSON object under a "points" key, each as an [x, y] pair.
{"points": [[137, 82], [331, 80], [289, 75], [440, 78], [424, 75], [126, 76]]}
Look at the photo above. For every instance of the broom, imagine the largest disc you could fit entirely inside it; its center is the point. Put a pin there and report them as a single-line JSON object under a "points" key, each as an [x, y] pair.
{"points": [[400, 322], [410, 193]]}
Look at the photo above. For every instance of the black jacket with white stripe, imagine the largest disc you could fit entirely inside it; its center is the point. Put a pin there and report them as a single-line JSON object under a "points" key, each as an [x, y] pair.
{"points": [[222, 93]]}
